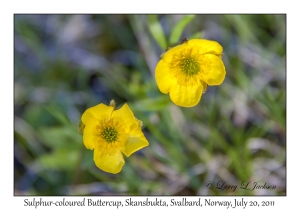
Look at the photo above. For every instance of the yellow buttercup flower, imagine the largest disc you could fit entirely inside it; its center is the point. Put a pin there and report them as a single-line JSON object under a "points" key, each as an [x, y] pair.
{"points": [[110, 133], [185, 70]]}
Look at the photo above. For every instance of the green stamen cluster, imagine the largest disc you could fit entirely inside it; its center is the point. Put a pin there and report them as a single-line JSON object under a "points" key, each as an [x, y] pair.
{"points": [[189, 66], [110, 134]]}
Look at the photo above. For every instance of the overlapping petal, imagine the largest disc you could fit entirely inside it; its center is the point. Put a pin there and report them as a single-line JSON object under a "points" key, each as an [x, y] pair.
{"points": [[168, 56], [212, 69], [136, 141], [206, 46], [163, 77], [89, 133], [126, 114], [99, 111], [111, 163], [186, 96]]}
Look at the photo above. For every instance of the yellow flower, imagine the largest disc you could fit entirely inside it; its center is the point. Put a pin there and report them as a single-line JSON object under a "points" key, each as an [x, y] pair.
{"points": [[185, 70], [110, 133]]}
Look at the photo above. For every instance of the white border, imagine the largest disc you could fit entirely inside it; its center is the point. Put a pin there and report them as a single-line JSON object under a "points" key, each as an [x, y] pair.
{"points": [[8, 8]]}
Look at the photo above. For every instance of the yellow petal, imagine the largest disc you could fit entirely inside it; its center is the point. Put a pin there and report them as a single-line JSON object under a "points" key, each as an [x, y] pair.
{"points": [[112, 163], [169, 55], [89, 133], [163, 77], [126, 114], [186, 96], [206, 46], [100, 111], [212, 69], [136, 141]]}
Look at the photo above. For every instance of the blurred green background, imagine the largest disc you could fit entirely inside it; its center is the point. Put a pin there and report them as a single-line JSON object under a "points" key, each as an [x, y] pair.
{"points": [[64, 64]]}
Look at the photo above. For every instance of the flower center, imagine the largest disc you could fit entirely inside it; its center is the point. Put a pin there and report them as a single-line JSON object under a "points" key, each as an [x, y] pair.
{"points": [[189, 66], [109, 134]]}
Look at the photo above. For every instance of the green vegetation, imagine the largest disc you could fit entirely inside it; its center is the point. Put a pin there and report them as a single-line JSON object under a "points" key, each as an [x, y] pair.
{"points": [[65, 64]]}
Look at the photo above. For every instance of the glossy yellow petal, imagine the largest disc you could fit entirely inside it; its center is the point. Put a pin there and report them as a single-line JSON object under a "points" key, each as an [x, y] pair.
{"points": [[100, 111], [169, 55], [186, 96], [136, 141], [206, 46], [111, 163], [126, 115], [89, 133], [212, 69], [163, 77]]}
